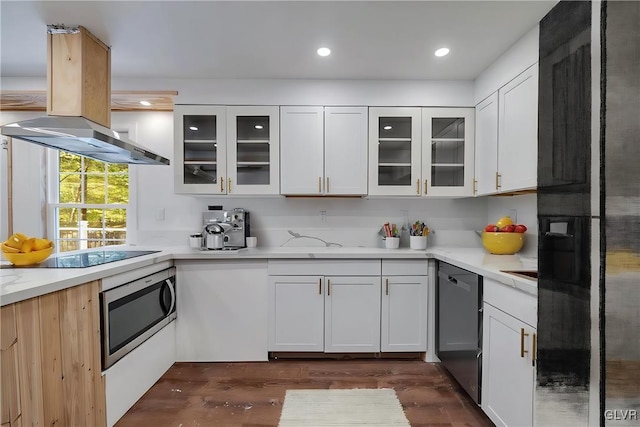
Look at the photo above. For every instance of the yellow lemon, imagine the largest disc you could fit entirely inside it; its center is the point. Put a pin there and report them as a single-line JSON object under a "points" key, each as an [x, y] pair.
{"points": [[39, 244], [27, 246], [505, 220]]}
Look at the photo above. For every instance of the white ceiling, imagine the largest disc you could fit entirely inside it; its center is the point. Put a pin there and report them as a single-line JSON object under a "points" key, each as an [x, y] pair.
{"points": [[268, 39]]}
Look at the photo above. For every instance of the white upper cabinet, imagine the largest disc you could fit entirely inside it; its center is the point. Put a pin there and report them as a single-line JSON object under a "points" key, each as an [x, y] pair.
{"points": [[253, 160], [226, 150], [324, 150], [507, 137], [301, 140], [518, 132], [394, 151], [200, 149], [345, 150], [421, 151], [447, 151], [487, 146]]}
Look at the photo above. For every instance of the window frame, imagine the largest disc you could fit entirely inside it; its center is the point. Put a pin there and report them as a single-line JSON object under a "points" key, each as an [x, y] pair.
{"points": [[53, 188]]}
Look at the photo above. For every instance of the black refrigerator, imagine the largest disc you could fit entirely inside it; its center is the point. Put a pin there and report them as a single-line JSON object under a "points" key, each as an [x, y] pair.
{"points": [[588, 364]]}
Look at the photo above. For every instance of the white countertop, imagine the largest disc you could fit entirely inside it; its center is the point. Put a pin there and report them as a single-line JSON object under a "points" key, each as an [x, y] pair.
{"points": [[17, 284]]}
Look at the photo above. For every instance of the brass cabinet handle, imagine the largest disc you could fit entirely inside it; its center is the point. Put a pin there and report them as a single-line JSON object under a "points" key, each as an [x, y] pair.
{"points": [[327, 189], [387, 287], [418, 187], [328, 287], [425, 187], [475, 186], [522, 335], [498, 176], [229, 185], [319, 184], [533, 349], [222, 184], [320, 286]]}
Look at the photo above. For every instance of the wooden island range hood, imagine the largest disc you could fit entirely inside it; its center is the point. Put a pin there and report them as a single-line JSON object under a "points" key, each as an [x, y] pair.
{"points": [[79, 102]]}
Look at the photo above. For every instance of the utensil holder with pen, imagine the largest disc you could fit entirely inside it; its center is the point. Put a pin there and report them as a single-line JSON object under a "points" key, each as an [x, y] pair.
{"points": [[418, 242]]}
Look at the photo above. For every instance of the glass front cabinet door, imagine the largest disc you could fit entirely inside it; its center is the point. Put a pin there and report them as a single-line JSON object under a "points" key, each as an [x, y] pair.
{"points": [[253, 157], [447, 151], [199, 149], [226, 150], [394, 151]]}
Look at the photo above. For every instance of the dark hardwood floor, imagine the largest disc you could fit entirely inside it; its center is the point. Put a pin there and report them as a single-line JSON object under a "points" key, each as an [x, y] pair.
{"points": [[252, 394]]}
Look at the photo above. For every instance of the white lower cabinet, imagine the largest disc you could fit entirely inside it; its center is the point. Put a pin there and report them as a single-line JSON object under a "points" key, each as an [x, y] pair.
{"points": [[404, 313], [348, 306], [334, 314], [134, 374], [296, 318], [352, 315], [508, 363], [222, 311]]}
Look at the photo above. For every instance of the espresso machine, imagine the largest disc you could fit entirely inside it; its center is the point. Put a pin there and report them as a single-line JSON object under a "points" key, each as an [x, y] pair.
{"points": [[225, 230]]}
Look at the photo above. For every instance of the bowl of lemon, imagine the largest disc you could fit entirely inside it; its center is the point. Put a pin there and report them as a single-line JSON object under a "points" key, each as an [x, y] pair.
{"points": [[22, 250]]}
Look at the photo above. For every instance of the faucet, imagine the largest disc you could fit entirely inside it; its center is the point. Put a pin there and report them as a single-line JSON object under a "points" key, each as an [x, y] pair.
{"points": [[300, 236]]}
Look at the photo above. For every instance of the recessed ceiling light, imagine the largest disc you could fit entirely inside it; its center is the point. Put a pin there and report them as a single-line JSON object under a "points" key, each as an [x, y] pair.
{"points": [[193, 128], [324, 51], [442, 51], [387, 127], [258, 127], [145, 103]]}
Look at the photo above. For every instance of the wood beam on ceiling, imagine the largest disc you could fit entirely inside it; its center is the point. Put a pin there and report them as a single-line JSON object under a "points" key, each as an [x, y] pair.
{"points": [[36, 100]]}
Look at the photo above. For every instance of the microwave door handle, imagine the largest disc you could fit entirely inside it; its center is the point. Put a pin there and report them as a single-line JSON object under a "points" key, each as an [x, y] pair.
{"points": [[173, 295]]}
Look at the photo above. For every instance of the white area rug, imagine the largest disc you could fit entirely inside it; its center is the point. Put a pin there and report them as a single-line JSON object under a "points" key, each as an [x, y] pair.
{"points": [[344, 408]]}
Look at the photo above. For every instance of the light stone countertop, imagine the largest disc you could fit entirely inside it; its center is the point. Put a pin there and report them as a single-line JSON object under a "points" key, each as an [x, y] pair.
{"points": [[18, 284]]}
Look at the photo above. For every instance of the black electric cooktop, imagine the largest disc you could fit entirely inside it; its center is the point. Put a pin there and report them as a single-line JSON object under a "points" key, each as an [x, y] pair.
{"points": [[86, 259]]}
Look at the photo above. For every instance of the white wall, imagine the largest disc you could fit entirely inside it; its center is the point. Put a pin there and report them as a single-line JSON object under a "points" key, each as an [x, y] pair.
{"points": [[522, 209], [520, 56], [29, 171]]}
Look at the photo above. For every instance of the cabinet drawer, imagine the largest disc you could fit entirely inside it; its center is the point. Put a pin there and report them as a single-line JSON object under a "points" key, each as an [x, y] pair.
{"points": [[404, 267], [512, 301], [328, 267]]}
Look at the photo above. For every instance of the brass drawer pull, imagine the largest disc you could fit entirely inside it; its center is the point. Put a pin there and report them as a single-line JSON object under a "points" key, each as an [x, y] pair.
{"points": [[522, 335], [222, 184], [327, 184], [418, 187], [387, 287], [229, 185], [319, 184], [425, 187]]}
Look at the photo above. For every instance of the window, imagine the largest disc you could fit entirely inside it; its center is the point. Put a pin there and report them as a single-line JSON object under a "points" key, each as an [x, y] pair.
{"points": [[90, 203]]}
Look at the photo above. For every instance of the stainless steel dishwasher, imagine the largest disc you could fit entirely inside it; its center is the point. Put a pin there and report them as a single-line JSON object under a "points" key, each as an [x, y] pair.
{"points": [[459, 326]]}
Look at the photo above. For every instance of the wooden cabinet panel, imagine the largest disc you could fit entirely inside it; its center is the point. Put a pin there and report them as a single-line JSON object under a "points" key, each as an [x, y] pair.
{"points": [[51, 361], [51, 375], [7, 327], [29, 362], [10, 387]]}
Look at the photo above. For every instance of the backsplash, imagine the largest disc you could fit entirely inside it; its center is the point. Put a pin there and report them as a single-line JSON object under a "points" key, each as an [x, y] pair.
{"points": [[349, 222]]}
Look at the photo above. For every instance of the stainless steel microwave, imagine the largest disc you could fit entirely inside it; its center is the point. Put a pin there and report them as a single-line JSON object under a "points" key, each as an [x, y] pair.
{"points": [[133, 312]]}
